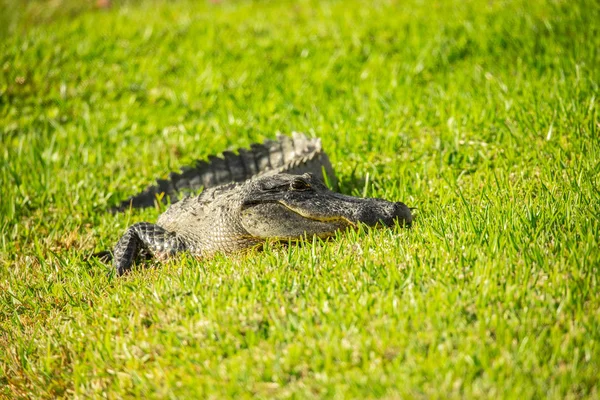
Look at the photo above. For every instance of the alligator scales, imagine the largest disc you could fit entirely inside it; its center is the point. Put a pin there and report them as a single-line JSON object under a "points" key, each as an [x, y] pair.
{"points": [[274, 191]]}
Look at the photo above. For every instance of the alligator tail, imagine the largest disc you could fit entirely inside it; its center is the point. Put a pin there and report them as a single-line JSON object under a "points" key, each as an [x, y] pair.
{"points": [[296, 154]]}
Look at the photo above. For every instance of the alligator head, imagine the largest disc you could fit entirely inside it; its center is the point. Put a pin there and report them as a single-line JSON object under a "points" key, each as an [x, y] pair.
{"points": [[292, 206]]}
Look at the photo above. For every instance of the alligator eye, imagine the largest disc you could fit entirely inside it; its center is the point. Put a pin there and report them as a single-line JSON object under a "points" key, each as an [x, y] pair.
{"points": [[299, 184]]}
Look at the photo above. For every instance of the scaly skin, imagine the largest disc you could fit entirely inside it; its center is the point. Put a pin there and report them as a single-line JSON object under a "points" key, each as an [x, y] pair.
{"points": [[237, 216], [293, 155], [142, 237]]}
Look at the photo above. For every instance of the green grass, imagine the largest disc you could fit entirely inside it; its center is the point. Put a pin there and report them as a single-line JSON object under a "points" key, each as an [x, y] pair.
{"points": [[482, 114]]}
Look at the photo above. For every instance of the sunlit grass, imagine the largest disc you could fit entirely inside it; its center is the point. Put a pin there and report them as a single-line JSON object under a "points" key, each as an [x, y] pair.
{"points": [[483, 115]]}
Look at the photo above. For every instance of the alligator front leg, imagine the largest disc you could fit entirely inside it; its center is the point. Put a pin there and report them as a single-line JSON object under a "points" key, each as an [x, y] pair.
{"points": [[144, 236]]}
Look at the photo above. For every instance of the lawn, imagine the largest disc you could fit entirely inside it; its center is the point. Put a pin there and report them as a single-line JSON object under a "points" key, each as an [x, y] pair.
{"points": [[481, 114]]}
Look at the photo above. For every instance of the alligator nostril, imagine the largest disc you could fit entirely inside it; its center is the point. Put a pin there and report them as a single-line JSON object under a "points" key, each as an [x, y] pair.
{"points": [[402, 214]]}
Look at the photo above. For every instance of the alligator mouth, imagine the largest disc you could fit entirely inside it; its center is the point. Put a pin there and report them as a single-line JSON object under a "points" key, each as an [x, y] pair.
{"points": [[302, 212], [318, 218]]}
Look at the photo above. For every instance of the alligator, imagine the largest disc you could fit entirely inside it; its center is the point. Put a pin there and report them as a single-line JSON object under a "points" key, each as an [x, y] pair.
{"points": [[275, 191]]}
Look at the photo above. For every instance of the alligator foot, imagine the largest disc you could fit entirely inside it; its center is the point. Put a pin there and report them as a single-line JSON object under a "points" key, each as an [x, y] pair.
{"points": [[104, 256], [142, 238]]}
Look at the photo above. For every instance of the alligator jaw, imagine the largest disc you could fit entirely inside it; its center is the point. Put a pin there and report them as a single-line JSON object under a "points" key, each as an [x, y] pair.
{"points": [[272, 220], [292, 207], [326, 206]]}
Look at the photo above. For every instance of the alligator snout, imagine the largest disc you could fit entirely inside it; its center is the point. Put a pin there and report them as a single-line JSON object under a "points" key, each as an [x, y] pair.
{"points": [[374, 212], [402, 214], [390, 213]]}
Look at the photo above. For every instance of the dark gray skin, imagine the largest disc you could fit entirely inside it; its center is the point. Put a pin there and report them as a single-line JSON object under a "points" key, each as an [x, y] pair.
{"points": [[295, 154], [239, 216]]}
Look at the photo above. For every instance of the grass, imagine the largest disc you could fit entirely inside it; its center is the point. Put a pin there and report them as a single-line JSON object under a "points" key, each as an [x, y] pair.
{"points": [[484, 115]]}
